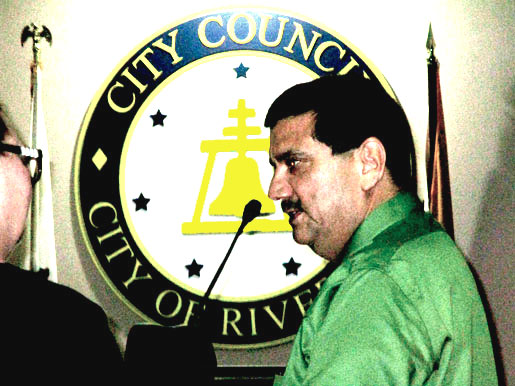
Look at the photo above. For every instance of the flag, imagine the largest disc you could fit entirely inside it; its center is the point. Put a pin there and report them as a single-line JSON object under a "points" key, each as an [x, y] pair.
{"points": [[42, 254], [438, 181]]}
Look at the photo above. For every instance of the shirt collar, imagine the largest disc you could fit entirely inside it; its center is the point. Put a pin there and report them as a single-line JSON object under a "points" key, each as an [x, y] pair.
{"points": [[381, 218]]}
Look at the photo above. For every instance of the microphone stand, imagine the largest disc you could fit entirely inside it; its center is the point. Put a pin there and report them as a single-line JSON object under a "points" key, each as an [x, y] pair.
{"points": [[221, 267], [251, 211]]}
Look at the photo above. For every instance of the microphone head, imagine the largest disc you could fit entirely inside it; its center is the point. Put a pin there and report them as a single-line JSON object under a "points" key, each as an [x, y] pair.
{"points": [[251, 211]]}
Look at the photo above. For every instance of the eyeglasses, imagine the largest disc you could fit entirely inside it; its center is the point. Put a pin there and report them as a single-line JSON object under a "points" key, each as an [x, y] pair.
{"points": [[32, 158]]}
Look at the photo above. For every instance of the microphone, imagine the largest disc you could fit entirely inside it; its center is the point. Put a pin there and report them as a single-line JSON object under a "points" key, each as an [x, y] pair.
{"points": [[251, 211]]}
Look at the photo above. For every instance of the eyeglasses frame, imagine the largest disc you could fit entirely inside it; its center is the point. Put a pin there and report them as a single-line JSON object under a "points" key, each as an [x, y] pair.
{"points": [[26, 155]]}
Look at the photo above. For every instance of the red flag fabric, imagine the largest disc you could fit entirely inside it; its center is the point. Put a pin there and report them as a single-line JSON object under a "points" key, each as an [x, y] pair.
{"points": [[439, 186]]}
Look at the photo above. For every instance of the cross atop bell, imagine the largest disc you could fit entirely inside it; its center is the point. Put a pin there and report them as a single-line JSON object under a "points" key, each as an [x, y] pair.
{"points": [[241, 183]]}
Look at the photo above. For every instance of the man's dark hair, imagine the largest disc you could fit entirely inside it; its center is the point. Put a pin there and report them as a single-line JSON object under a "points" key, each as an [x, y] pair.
{"points": [[3, 128], [349, 109]]}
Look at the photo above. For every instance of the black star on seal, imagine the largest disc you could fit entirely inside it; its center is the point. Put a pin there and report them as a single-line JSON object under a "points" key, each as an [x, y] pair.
{"points": [[141, 202], [291, 267], [158, 118], [241, 71], [194, 268]]}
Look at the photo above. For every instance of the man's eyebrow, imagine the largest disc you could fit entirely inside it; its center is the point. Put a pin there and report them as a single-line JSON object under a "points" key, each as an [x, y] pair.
{"points": [[279, 157], [286, 156]]}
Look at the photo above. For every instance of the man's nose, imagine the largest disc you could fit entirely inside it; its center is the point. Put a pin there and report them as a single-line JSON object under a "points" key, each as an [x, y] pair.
{"points": [[279, 188]]}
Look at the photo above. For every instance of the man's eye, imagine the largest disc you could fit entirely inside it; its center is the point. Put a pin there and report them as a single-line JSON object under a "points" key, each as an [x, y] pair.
{"points": [[292, 163]]}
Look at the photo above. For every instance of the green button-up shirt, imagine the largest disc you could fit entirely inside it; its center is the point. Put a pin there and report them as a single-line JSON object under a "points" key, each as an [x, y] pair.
{"points": [[401, 309]]}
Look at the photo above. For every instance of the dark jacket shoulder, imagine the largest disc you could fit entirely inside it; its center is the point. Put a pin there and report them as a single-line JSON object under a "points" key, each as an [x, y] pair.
{"points": [[48, 324]]}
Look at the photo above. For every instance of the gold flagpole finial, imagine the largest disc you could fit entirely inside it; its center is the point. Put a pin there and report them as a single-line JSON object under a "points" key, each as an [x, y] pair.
{"points": [[430, 45], [37, 34]]}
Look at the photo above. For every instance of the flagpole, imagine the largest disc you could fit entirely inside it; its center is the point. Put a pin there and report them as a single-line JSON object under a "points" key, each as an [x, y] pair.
{"points": [[432, 64], [42, 254], [438, 178]]}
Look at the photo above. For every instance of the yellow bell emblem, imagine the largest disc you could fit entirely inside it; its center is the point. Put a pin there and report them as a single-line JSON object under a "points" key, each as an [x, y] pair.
{"points": [[241, 182]]}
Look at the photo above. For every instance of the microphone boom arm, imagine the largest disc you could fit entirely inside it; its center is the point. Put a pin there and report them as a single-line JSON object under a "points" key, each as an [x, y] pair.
{"points": [[251, 211]]}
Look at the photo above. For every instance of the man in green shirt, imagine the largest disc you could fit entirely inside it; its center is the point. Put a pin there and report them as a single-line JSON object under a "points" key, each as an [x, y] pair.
{"points": [[401, 306]]}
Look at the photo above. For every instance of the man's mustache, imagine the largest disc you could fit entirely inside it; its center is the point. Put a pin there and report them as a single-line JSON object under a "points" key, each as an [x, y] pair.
{"points": [[288, 205]]}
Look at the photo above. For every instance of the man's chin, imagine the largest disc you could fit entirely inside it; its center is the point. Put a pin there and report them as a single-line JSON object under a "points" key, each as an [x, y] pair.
{"points": [[320, 248], [302, 238]]}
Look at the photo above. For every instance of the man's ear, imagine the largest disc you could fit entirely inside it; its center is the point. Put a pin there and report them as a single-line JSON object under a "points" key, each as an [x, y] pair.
{"points": [[372, 157]]}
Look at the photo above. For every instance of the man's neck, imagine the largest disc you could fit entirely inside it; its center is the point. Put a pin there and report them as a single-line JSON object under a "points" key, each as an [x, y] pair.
{"points": [[384, 191]]}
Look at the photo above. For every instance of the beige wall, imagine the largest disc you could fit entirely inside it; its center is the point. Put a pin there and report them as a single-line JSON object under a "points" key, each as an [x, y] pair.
{"points": [[474, 46]]}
